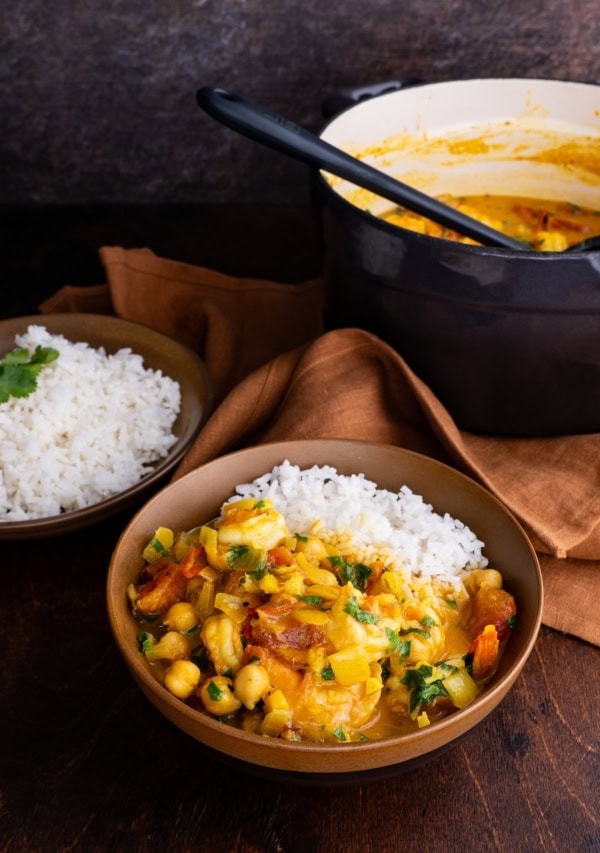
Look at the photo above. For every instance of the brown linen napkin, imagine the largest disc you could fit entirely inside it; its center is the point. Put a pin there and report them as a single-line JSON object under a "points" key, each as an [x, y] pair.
{"points": [[278, 376]]}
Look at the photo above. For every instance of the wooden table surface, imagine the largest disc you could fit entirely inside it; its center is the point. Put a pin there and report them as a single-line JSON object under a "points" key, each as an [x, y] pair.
{"points": [[89, 765]]}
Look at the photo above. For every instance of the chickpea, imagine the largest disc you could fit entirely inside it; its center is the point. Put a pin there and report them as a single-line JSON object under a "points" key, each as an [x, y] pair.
{"points": [[171, 646], [250, 684], [483, 577], [181, 617], [181, 678], [312, 547], [218, 697]]}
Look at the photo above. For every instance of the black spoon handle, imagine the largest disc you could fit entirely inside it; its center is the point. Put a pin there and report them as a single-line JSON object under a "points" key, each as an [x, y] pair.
{"points": [[283, 135]]}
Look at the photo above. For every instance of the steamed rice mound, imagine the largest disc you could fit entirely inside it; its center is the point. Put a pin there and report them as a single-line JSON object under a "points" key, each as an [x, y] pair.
{"points": [[351, 511], [95, 425]]}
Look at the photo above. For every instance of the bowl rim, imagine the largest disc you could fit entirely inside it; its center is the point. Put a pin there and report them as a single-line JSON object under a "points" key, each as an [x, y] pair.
{"points": [[75, 519], [415, 743]]}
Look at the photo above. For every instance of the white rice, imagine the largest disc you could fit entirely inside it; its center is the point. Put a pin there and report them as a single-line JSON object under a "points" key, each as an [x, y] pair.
{"points": [[95, 425], [350, 511]]}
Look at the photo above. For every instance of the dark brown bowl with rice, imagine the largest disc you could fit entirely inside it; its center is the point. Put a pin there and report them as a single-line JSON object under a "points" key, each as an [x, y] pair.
{"points": [[109, 418], [320, 670]]}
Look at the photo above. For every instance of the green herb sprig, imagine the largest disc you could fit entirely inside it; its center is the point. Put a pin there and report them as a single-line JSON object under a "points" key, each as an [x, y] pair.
{"points": [[19, 370]]}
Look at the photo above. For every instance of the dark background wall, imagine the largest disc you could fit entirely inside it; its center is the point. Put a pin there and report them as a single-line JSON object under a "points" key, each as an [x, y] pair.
{"points": [[98, 98]]}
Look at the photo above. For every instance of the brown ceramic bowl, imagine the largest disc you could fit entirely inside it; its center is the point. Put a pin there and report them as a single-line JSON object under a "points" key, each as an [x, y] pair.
{"points": [[197, 497], [160, 353]]}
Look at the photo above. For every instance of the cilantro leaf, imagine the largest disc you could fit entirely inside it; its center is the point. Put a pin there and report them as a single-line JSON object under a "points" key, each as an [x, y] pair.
{"points": [[422, 692], [235, 552], [214, 691], [327, 673], [145, 642], [355, 573], [313, 600], [19, 370], [405, 631], [360, 615], [397, 644]]}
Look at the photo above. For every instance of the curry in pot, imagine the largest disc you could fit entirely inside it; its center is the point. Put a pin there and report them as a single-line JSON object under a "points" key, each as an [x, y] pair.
{"points": [[547, 226]]}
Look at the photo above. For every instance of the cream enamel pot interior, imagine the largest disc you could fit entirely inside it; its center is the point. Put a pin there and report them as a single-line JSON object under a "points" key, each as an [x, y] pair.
{"points": [[508, 340]]}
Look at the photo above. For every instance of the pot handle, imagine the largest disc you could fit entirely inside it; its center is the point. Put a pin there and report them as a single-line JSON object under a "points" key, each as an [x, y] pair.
{"points": [[341, 99]]}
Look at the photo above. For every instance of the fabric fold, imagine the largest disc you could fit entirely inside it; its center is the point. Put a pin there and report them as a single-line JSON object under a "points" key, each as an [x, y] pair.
{"points": [[279, 376]]}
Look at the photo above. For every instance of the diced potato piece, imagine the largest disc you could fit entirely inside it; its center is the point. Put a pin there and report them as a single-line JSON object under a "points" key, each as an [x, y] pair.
{"points": [[276, 701], [550, 241], [159, 545], [350, 665], [275, 722], [269, 584], [460, 688]]}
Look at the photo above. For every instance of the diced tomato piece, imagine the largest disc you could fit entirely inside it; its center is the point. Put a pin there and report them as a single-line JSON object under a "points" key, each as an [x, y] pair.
{"points": [[491, 606], [167, 587], [485, 650], [281, 676], [280, 556], [194, 562], [376, 572]]}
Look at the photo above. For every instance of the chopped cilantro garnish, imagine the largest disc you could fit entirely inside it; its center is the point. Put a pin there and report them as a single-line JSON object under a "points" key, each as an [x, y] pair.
{"points": [[396, 644], [446, 667], [428, 622], [314, 600], [404, 631], [360, 615], [158, 546], [251, 560], [339, 733], [259, 504], [235, 552], [422, 692], [259, 573], [301, 537], [355, 573], [214, 691], [19, 370], [145, 642], [327, 673], [452, 604]]}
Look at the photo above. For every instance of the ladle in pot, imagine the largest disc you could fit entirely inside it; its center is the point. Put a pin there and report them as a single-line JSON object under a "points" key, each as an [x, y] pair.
{"points": [[283, 135]]}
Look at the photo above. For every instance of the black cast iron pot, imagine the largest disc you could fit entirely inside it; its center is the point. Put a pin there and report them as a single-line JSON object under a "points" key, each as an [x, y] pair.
{"points": [[508, 340]]}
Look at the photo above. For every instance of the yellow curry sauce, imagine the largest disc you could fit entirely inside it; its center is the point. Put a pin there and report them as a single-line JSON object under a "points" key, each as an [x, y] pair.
{"points": [[287, 635], [544, 225]]}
